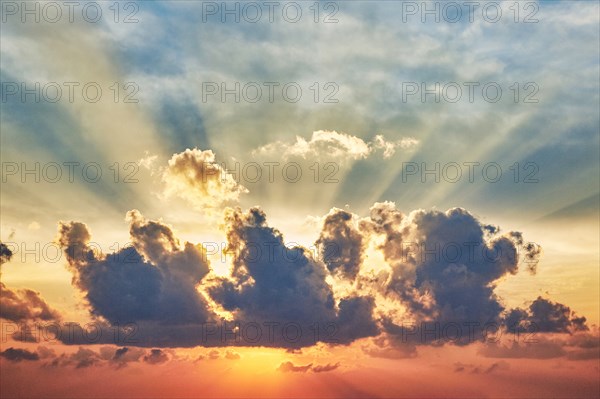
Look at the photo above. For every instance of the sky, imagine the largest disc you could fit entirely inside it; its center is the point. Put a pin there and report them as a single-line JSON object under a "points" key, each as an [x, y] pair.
{"points": [[300, 199]]}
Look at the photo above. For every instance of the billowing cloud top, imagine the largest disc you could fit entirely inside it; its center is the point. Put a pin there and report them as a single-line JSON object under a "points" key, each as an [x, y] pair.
{"points": [[439, 268], [197, 177]]}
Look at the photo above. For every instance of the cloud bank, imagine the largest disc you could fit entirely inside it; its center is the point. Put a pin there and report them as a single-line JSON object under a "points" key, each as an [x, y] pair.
{"points": [[440, 269]]}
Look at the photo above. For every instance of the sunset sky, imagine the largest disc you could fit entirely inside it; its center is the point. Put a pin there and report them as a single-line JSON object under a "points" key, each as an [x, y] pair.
{"points": [[300, 199]]}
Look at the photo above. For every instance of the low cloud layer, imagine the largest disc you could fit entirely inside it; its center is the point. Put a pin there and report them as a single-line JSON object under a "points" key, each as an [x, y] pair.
{"points": [[17, 355], [85, 358], [440, 269], [575, 346], [289, 367]]}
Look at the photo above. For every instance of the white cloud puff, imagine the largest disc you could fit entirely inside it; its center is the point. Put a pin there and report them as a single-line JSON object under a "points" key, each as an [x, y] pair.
{"points": [[334, 145], [195, 176]]}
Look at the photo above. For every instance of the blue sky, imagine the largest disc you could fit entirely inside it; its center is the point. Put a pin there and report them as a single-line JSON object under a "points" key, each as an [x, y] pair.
{"points": [[368, 53]]}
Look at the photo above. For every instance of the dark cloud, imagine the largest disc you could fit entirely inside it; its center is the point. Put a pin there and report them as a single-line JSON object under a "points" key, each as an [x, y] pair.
{"points": [[584, 340], [154, 284], [390, 346], [120, 352], [443, 269], [83, 358], [17, 354], [541, 349], [288, 367], [121, 356], [45, 352], [154, 280], [325, 368], [275, 284], [355, 319], [280, 284], [106, 356], [24, 306], [341, 244], [5, 253], [444, 265], [544, 315], [156, 356], [496, 366], [584, 354], [580, 345], [460, 367], [531, 251]]}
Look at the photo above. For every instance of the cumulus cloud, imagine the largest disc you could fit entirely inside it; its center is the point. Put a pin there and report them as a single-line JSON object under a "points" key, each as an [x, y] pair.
{"points": [[154, 280], [341, 244], [288, 367], [24, 305], [81, 359], [541, 349], [106, 356], [122, 356], [325, 368], [45, 352], [5, 253], [273, 283], [390, 346], [119, 353], [389, 147], [198, 178], [494, 367], [444, 266], [230, 355], [440, 268], [17, 355], [155, 284], [544, 315], [334, 145], [281, 284], [156, 356], [531, 251]]}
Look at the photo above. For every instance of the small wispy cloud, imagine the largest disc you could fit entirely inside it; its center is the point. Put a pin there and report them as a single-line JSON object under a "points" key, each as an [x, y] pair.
{"points": [[334, 145]]}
